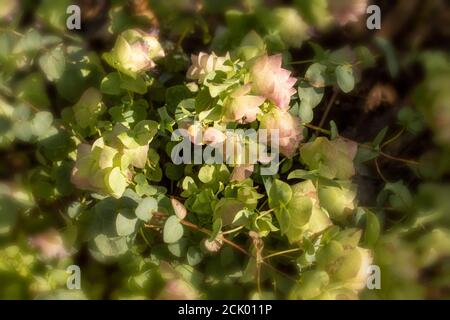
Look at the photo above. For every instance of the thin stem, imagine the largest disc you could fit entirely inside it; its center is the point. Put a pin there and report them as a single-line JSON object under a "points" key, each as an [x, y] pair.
{"points": [[207, 232], [328, 108], [266, 213], [379, 172], [407, 161], [232, 230], [302, 61], [258, 278], [281, 253], [230, 243], [236, 246], [398, 135], [144, 237], [316, 128], [263, 204]]}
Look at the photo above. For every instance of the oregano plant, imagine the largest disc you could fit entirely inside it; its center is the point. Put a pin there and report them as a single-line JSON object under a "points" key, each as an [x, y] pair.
{"points": [[215, 150]]}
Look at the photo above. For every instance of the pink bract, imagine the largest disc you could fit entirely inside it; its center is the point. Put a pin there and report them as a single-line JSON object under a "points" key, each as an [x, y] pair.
{"points": [[272, 81]]}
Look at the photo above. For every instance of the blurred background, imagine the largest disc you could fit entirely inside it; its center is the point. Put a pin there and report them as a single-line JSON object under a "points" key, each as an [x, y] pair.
{"points": [[402, 93]]}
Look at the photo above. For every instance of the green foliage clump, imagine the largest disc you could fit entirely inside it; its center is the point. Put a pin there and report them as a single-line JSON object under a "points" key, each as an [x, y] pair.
{"points": [[91, 125]]}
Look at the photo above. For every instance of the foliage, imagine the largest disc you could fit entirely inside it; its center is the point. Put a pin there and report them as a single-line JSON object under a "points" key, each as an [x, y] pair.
{"points": [[87, 127]]}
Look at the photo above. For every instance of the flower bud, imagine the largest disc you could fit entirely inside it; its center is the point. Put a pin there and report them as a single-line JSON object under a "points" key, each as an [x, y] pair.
{"points": [[241, 107], [344, 261], [305, 214], [338, 201], [212, 136], [200, 136], [333, 159], [214, 245], [179, 208], [205, 64], [135, 51], [290, 131], [270, 80], [242, 172]]}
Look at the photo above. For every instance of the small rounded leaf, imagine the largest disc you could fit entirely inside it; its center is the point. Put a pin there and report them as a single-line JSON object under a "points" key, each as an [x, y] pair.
{"points": [[146, 208], [194, 256], [345, 78], [125, 224], [173, 230], [280, 193]]}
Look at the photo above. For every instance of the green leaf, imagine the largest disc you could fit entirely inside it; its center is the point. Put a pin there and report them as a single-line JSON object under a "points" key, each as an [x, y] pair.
{"points": [[365, 56], [30, 42], [88, 108], [287, 165], [41, 124], [189, 186], [53, 63], [400, 197], [137, 85], [144, 131], [111, 84], [216, 228], [173, 171], [300, 210], [32, 89], [176, 94], [173, 230], [316, 75], [185, 109], [52, 13], [226, 209], [280, 193], [75, 209], [179, 248], [116, 182], [57, 146], [125, 223], [411, 119], [380, 137], [312, 283], [390, 55], [62, 174], [310, 95], [302, 174], [111, 247], [206, 173], [372, 229], [194, 256], [9, 210], [146, 208], [345, 78], [283, 217], [365, 154], [334, 130], [305, 112], [203, 101]]}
